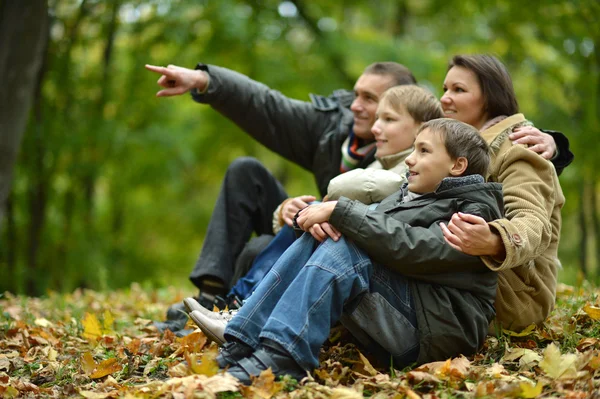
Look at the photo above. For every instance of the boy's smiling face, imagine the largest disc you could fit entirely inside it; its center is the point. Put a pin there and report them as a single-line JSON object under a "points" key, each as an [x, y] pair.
{"points": [[429, 163], [394, 129]]}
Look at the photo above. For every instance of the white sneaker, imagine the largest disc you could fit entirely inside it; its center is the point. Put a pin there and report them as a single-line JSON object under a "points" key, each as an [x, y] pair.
{"points": [[212, 324]]}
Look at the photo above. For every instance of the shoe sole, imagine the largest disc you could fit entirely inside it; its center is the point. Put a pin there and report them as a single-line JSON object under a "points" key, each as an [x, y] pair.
{"points": [[206, 330]]}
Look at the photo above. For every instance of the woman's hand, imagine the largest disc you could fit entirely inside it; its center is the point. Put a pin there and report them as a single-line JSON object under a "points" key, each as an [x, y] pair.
{"points": [[536, 140], [292, 206], [472, 235]]}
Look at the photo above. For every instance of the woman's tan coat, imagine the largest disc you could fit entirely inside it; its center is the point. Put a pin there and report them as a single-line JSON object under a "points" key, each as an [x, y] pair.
{"points": [[530, 231]]}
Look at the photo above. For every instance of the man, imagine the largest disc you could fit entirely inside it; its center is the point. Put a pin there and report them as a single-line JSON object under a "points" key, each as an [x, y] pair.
{"points": [[323, 137]]}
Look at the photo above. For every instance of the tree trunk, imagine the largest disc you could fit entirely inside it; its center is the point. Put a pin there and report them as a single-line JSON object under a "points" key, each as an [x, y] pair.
{"points": [[583, 236], [22, 48]]}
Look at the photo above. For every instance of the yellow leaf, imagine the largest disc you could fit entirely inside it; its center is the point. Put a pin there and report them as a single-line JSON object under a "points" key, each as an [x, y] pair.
{"points": [[87, 363], [527, 331], [194, 342], [107, 367], [208, 364], [42, 322], [592, 311], [91, 327], [108, 322], [531, 391], [367, 365], [558, 366], [345, 393], [265, 386]]}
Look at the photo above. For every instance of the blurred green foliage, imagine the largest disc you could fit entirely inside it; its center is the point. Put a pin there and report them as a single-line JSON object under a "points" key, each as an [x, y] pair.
{"points": [[114, 185]]}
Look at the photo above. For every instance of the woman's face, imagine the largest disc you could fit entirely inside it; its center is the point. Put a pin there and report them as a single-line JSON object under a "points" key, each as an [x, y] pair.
{"points": [[463, 99]]}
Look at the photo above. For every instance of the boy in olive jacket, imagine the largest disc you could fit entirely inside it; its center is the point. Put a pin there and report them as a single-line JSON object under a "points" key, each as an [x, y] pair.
{"points": [[391, 278]]}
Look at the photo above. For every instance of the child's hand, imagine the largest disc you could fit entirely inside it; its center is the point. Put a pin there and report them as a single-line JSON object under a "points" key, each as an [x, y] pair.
{"points": [[315, 214], [320, 232], [291, 206]]}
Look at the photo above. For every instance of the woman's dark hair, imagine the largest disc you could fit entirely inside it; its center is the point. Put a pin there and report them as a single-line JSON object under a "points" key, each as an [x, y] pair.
{"points": [[494, 79]]}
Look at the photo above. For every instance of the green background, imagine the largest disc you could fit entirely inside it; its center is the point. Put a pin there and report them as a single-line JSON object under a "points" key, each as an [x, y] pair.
{"points": [[114, 185]]}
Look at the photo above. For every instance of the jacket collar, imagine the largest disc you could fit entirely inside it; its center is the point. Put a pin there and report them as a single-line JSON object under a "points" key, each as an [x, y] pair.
{"points": [[390, 161], [491, 133]]}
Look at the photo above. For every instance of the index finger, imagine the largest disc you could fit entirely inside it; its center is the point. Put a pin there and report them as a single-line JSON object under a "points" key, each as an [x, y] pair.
{"points": [[473, 219], [158, 69]]}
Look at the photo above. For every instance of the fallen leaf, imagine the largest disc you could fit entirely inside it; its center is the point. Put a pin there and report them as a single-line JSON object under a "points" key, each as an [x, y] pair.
{"points": [[91, 327], [557, 365], [496, 370], [108, 322], [367, 365], [87, 363], [421, 376], [592, 311], [457, 367], [194, 342], [208, 364], [95, 395], [345, 393], [265, 386], [529, 390], [586, 343], [105, 368], [42, 323], [527, 331]]}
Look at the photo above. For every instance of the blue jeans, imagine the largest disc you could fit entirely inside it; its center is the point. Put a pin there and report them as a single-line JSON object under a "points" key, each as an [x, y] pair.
{"points": [[308, 290], [263, 263]]}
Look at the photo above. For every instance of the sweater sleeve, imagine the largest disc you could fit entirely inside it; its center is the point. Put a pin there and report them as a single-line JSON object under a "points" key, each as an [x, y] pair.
{"points": [[564, 156], [365, 185], [289, 127], [529, 195], [406, 249]]}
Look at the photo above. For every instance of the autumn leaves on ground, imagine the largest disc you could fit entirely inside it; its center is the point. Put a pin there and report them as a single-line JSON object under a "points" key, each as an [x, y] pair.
{"points": [[103, 345]]}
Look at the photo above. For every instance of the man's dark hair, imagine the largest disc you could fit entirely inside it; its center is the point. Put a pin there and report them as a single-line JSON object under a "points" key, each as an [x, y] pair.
{"points": [[496, 85], [462, 140], [400, 74]]}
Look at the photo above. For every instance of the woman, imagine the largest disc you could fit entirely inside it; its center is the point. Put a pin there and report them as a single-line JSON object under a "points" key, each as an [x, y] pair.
{"points": [[523, 246]]}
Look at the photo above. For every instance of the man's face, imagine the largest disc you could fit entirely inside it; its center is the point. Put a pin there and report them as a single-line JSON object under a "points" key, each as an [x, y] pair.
{"points": [[368, 90]]}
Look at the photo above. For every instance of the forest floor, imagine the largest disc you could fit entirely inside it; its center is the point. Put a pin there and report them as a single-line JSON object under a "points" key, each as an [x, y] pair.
{"points": [[103, 345]]}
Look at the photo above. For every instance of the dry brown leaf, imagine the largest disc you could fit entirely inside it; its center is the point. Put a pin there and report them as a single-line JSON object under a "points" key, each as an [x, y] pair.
{"points": [[422, 376], [264, 386], [587, 343], [496, 370], [345, 393], [367, 365], [457, 367], [87, 363], [194, 342], [484, 389], [106, 367]]}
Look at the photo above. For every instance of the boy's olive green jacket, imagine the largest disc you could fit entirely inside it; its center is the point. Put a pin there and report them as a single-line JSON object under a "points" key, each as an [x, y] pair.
{"points": [[453, 292]]}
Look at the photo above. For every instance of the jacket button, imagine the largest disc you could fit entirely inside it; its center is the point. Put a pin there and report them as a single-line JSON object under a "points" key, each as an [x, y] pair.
{"points": [[516, 239]]}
